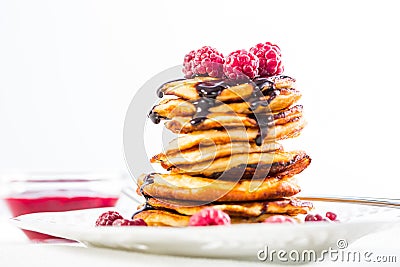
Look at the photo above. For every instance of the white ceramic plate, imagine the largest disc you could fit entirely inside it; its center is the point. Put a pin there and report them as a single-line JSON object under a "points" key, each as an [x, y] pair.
{"points": [[357, 219]]}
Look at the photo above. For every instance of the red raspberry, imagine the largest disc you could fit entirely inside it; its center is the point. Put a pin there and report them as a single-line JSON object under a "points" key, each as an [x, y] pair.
{"points": [[241, 64], [107, 218], [279, 219], [124, 222], [270, 59], [314, 218], [209, 216], [202, 62], [310, 218], [187, 64], [331, 216]]}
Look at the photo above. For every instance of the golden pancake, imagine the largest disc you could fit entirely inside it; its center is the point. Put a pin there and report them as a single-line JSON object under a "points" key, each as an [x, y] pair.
{"points": [[281, 81], [170, 108], [195, 188], [291, 206], [229, 168], [187, 88], [211, 137], [163, 218], [208, 153], [279, 159], [215, 120], [167, 218], [259, 171], [176, 107], [229, 120], [288, 115]]}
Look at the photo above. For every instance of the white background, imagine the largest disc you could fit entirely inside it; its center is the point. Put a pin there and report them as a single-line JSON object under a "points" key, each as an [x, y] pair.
{"points": [[68, 70]]}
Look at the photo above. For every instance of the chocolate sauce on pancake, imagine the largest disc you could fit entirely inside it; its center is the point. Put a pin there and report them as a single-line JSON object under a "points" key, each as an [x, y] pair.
{"points": [[265, 88], [208, 92], [264, 120], [202, 109], [263, 83], [212, 89], [264, 92], [161, 89], [147, 180], [154, 117]]}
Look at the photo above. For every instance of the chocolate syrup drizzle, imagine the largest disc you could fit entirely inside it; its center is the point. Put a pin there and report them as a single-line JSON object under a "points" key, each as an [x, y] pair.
{"points": [[161, 89], [147, 180], [264, 87], [154, 117], [209, 90]]}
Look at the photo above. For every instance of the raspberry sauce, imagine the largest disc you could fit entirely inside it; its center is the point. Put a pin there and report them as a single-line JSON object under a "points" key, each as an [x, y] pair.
{"points": [[59, 200]]}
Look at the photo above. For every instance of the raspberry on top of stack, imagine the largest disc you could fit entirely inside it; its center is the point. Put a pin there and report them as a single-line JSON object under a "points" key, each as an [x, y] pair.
{"points": [[226, 165]]}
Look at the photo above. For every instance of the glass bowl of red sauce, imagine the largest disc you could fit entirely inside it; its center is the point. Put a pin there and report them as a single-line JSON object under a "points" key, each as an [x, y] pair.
{"points": [[59, 192]]}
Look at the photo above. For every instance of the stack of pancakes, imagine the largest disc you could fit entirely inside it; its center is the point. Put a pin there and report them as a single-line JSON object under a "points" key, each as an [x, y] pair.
{"points": [[227, 154]]}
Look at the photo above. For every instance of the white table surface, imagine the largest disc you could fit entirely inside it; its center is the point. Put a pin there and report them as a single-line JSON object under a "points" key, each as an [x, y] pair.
{"points": [[17, 250]]}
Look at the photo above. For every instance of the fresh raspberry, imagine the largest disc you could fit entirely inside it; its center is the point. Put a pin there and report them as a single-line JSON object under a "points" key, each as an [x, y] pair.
{"points": [[202, 62], [241, 64], [279, 219], [331, 216], [209, 216], [270, 59], [319, 217], [310, 218], [187, 64], [107, 218], [124, 222], [314, 218]]}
